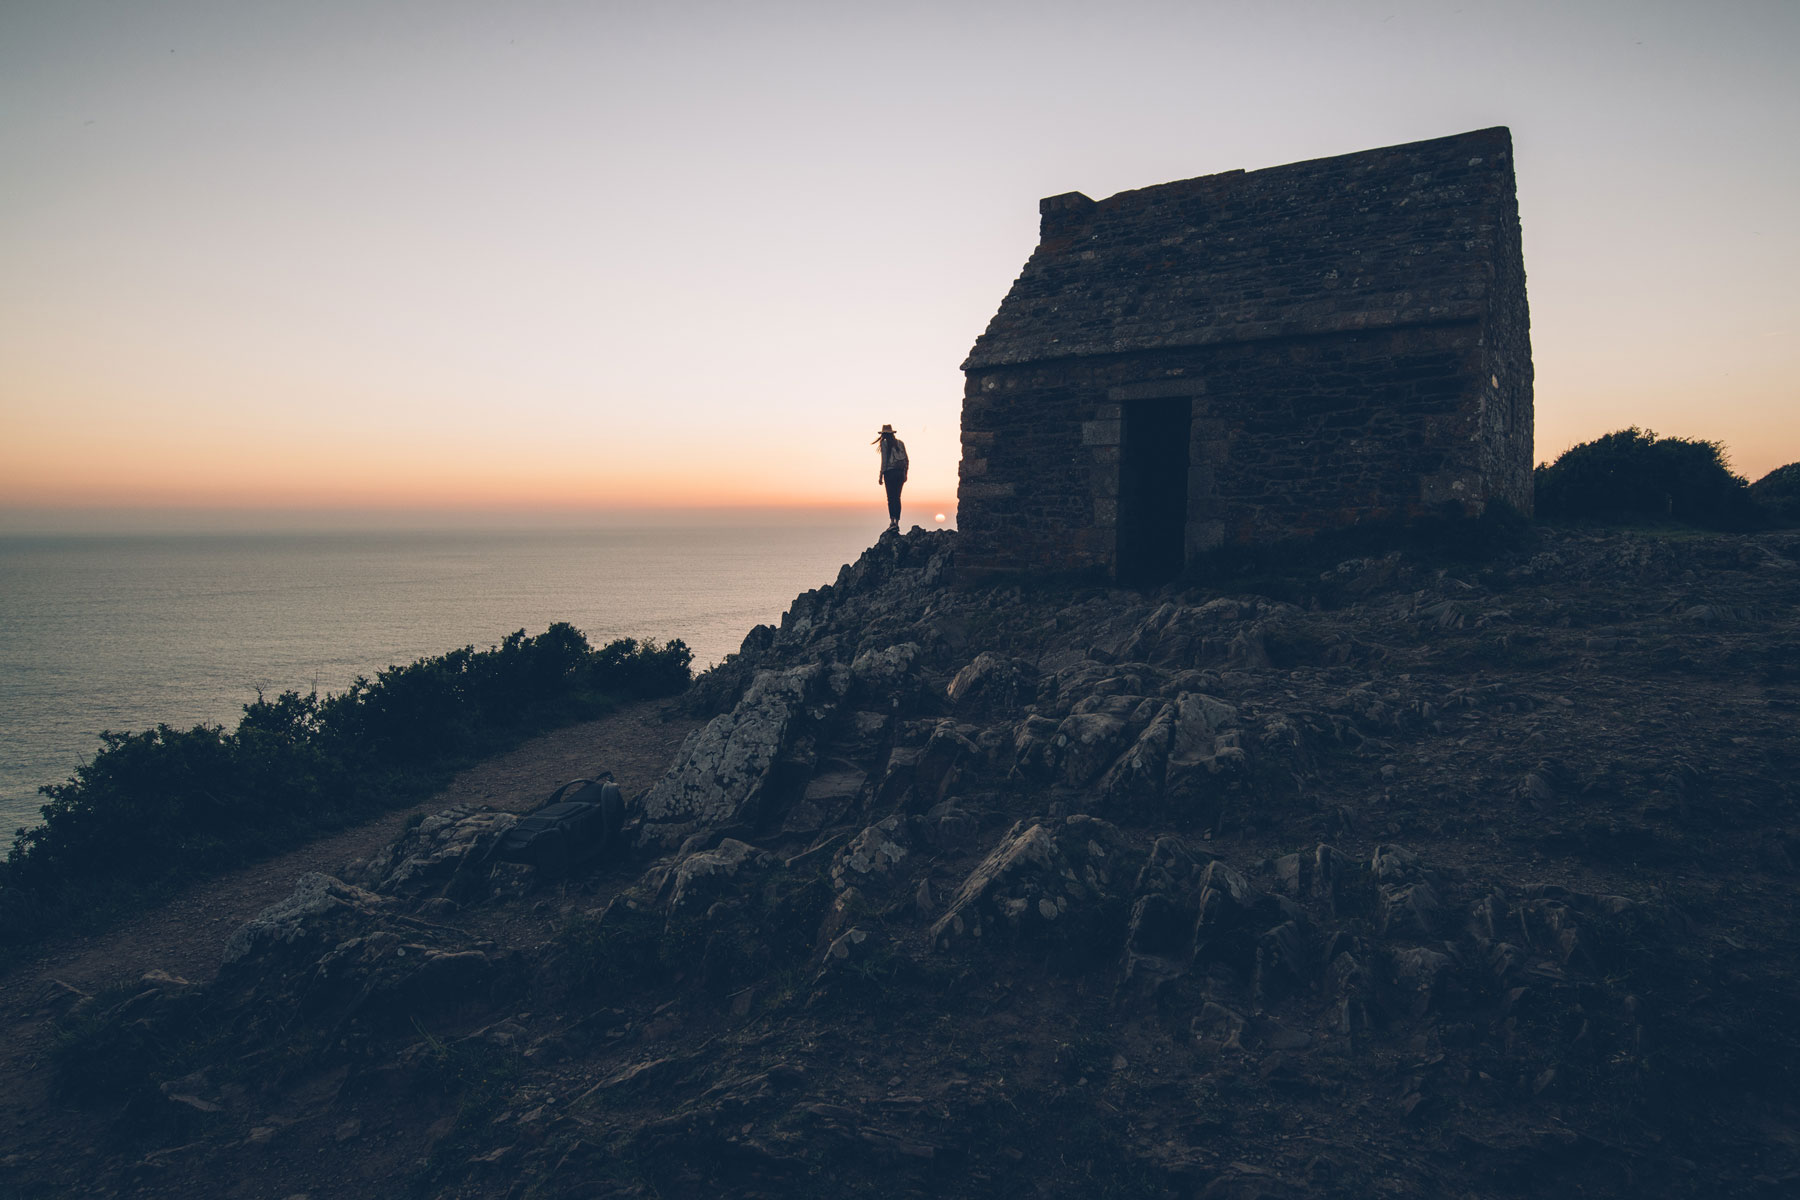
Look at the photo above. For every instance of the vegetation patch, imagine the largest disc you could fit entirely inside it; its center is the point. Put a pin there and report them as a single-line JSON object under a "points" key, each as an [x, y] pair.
{"points": [[158, 808], [1778, 493], [1633, 473]]}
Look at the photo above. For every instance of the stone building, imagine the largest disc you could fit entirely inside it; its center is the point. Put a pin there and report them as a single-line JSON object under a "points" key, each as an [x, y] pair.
{"points": [[1247, 357]]}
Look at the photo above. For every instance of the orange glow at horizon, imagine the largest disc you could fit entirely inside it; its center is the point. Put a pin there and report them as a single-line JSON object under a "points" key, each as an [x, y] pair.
{"points": [[384, 487], [578, 257], [117, 470]]}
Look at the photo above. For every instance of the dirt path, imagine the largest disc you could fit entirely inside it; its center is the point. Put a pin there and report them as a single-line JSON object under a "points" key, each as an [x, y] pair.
{"points": [[186, 936]]}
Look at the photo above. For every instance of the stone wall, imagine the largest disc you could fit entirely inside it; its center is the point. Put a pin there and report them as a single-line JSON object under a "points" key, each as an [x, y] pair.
{"points": [[1351, 334], [1508, 427], [1287, 437]]}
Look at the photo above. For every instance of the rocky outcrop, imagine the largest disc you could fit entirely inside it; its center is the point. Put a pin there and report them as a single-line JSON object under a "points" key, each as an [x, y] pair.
{"points": [[319, 907], [1062, 879], [702, 877], [448, 854], [992, 683], [875, 858], [980, 891], [729, 769], [879, 601]]}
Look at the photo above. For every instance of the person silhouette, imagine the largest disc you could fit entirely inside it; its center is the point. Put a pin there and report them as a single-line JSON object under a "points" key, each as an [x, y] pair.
{"points": [[893, 472]]}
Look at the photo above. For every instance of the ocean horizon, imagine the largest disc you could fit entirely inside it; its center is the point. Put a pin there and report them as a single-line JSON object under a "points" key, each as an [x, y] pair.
{"points": [[127, 631]]}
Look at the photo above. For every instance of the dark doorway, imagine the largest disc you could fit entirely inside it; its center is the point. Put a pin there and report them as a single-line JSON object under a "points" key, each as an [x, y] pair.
{"points": [[1153, 479]]}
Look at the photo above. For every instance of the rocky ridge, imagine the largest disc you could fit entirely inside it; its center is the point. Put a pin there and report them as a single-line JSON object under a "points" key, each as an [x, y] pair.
{"points": [[1443, 880]]}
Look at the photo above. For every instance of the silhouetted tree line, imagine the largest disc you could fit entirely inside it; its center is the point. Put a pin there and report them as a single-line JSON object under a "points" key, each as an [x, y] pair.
{"points": [[165, 805], [1634, 474]]}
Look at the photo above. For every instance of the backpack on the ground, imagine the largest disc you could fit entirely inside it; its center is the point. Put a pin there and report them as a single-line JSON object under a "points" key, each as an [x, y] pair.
{"points": [[565, 832]]}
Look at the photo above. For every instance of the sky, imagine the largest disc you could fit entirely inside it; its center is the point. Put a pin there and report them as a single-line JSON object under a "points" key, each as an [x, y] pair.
{"points": [[269, 259]]}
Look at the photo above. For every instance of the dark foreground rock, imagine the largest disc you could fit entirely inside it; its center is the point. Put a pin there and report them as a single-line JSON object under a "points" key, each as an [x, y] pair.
{"points": [[1425, 881]]}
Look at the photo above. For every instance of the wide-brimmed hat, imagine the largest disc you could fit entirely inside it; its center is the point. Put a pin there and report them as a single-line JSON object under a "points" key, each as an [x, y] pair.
{"points": [[886, 431]]}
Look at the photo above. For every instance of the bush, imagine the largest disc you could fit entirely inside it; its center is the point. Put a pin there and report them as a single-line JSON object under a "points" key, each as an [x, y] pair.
{"points": [[1778, 493], [158, 807], [1632, 473]]}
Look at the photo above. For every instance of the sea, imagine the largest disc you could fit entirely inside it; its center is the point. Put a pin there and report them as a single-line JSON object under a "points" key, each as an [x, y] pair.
{"points": [[127, 632]]}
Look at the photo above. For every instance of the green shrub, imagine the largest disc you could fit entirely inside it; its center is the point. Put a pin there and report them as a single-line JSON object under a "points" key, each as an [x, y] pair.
{"points": [[157, 807], [1778, 493], [1632, 473]]}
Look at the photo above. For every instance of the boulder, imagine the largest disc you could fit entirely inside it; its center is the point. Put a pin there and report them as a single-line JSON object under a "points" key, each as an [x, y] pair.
{"points": [[722, 774], [1285, 956], [863, 736], [1033, 749], [992, 683], [1318, 875], [886, 675], [898, 776], [1409, 905], [700, 878], [1205, 753], [1173, 867], [939, 767], [332, 952], [387, 978], [1159, 936], [1232, 916], [1086, 742], [874, 858], [1138, 774], [830, 794], [318, 907], [1409, 910], [1063, 880], [445, 854]]}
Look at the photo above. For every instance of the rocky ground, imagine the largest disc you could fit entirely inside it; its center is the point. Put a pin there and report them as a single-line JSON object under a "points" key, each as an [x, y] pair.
{"points": [[185, 938], [1433, 880]]}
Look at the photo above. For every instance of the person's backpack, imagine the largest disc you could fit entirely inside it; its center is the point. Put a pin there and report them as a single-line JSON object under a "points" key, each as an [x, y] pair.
{"points": [[565, 832]]}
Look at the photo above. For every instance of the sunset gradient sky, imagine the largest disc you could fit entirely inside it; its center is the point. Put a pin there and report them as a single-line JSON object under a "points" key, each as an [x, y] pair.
{"points": [[540, 257]]}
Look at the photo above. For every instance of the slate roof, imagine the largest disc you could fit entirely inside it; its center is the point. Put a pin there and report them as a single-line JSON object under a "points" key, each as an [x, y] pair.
{"points": [[1397, 236]]}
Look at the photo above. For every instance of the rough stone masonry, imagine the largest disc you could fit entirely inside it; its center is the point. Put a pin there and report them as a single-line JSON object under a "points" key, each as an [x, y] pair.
{"points": [[1246, 357]]}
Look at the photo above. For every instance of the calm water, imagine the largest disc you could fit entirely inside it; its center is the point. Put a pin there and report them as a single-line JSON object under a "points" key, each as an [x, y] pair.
{"points": [[123, 633]]}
